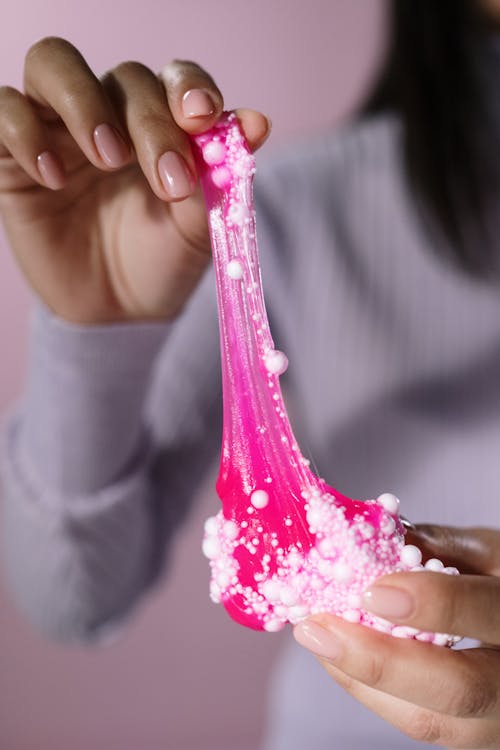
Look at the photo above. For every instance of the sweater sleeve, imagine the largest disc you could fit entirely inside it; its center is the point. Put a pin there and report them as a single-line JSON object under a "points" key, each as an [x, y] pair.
{"points": [[103, 456], [101, 459]]}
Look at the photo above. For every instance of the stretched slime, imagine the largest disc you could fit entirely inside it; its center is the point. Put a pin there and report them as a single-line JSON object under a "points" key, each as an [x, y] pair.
{"points": [[285, 545]]}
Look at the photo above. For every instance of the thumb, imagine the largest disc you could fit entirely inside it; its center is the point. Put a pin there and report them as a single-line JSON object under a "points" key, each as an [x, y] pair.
{"points": [[256, 127], [471, 550]]}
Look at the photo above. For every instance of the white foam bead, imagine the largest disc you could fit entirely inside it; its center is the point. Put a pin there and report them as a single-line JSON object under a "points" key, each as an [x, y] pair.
{"points": [[210, 526], [354, 600], [231, 530], [223, 579], [243, 166], [289, 596], [366, 530], [276, 362], [259, 498], [326, 568], [237, 213], [434, 564], [281, 611], [425, 637], [401, 631], [214, 152], [326, 547], [298, 611], [235, 269], [382, 627], [314, 517], [271, 590], [221, 176], [410, 555], [274, 626], [441, 639], [211, 547], [389, 502], [388, 525], [352, 615], [342, 572]]}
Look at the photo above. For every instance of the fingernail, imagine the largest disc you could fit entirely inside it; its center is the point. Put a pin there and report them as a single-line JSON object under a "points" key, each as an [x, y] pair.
{"points": [[388, 601], [175, 175], [111, 147], [51, 170], [318, 640], [197, 103]]}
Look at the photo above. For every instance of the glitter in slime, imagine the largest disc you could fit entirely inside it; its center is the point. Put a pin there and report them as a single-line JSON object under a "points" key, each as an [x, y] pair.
{"points": [[285, 545]]}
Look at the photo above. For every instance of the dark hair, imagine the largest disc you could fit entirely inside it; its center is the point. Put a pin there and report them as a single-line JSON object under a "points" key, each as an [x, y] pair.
{"points": [[438, 78]]}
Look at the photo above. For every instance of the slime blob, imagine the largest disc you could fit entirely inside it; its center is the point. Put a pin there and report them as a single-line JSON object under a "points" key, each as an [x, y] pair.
{"points": [[285, 545]]}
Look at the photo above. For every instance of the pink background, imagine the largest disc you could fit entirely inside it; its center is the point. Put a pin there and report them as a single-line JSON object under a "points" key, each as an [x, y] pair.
{"points": [[182, 675]]}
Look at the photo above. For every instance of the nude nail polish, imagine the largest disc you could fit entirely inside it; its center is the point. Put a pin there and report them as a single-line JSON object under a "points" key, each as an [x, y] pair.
{"points": [[175, 175], [51, 170], [110, 145], [197, 103], [318, 640], [389, 602]]}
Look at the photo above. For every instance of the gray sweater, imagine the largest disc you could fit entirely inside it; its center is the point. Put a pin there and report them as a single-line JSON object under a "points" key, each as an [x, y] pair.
{"points": [[394, 385]]}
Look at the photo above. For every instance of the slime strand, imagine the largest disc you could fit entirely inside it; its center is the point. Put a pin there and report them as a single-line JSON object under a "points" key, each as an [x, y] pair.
{"points": [[285, 545]]}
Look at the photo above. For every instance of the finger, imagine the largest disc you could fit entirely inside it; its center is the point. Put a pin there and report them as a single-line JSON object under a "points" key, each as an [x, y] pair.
{"points": [[163, 149], [196, 103], [464, 605], [450, 682], [422, 725], [193, 97], [256, 127], [472, 550], [24, 136], [56, 76]]}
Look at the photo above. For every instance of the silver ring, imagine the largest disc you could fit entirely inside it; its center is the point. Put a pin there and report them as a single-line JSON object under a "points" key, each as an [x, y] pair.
{"points": [[407, 524]]}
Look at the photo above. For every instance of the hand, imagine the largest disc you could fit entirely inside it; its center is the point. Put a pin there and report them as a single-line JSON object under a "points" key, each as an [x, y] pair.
{"points": [[98, 183], [433, 694]]}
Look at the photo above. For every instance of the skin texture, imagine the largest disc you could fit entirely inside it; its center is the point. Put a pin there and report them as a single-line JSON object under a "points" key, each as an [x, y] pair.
{"points": [[453, 697], [106, 243]]}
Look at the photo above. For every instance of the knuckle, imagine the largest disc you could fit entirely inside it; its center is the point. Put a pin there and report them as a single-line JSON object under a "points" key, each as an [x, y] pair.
{"points": [[177, 71], [190, 65], [373, 672], [153, 119], [425, 727], [474, 700], [449, 603], [8, 96], [132, 69], [47, 47]]}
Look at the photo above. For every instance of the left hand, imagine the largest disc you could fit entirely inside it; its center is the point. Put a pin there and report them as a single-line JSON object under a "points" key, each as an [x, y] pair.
{"points": [[432, 694]]}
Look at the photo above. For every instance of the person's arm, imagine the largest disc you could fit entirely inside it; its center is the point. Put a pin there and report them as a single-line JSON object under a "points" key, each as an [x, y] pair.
{"points": [[101, 460]]}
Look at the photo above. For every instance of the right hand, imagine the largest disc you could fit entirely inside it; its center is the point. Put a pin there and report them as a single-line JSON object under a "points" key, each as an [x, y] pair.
{"points": [[98, 186]]}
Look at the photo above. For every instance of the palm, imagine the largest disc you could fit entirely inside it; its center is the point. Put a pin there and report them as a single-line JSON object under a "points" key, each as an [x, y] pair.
{"points": [[104, 248]]}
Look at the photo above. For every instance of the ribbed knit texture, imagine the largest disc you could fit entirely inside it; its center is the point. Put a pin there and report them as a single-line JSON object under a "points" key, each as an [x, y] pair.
{"points": [[394, 385]]}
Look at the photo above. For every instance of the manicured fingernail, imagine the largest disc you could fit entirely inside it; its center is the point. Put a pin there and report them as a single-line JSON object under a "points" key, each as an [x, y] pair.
{"points": [[175, 175], [389, 601], [111, 147], [51, 170], [197, 103], [318, 640]]}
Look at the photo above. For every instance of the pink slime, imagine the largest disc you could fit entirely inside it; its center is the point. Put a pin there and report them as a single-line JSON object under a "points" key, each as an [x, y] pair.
{"points": [[285, 545]]}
